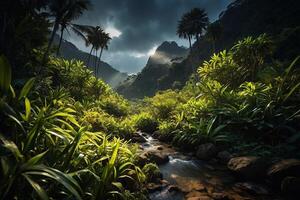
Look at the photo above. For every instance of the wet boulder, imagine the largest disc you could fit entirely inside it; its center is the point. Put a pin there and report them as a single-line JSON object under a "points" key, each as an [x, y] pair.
{"points": [[195, 195], [248, 167], [157, 157], [173, 188], [152, 187], [252, 188], [219, 196], [156, 134], [284, 168], [206, 151], [160, 148], [137, 138], [224, 156], [142, 159]]}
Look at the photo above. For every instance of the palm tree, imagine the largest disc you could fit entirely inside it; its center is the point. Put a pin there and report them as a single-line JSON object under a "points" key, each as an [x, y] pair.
{"points": [[98, 39], [64, 12], [214, 32], [93, 39], [104, 40], [193, 23], [75, 10], [198, 20], [184, 29]]}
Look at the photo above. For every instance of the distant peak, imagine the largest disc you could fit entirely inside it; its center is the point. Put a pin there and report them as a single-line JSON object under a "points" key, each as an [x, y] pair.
{"points": [[167, 45]]}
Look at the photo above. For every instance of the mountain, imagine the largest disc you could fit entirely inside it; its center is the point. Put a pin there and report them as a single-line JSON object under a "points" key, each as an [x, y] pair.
{"points": [[146, 83], [242, 18], [106, 72]]}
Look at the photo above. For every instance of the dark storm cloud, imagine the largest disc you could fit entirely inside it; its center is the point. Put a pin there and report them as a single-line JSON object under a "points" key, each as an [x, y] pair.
{"points": [[144, 23]]}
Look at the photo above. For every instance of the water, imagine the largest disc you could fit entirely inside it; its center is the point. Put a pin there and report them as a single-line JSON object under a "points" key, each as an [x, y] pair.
{"points": [[190, 174], [183, 171]]}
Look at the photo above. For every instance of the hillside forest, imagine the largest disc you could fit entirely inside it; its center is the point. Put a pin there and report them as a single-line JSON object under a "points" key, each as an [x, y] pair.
{"points": [[217, 120]]}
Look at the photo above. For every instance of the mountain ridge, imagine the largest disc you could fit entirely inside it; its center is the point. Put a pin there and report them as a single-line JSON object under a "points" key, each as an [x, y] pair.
{"points": [[241, 19], [110, 75], [145, 83]]}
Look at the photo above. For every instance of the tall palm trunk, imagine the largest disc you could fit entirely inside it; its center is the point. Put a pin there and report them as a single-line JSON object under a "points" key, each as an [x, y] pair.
{"points": [[89, 57], [100, 55], [60, 40], [95, 62], [55, 28], [197, 38], [189, 36]]}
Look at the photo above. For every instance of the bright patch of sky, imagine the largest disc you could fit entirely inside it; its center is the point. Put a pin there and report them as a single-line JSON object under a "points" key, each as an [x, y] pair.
{"points": [[113, 32]]}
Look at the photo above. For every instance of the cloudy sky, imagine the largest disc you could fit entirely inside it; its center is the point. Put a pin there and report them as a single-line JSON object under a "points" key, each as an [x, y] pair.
{"points": [[139, 26]]}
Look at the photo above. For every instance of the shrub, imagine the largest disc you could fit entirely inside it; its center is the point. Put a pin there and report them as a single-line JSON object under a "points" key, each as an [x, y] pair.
{"points": [[151, 171], [163, 104], [223, 69], [46, 141], [145, 122], [114, 105]]}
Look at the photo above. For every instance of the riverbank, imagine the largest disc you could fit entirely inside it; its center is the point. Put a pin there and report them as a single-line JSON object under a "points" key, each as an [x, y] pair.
{"points": [[184, 176]]}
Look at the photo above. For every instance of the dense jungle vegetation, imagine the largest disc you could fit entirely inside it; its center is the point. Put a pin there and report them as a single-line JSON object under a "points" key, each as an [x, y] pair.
{"points": [[65, 134]]}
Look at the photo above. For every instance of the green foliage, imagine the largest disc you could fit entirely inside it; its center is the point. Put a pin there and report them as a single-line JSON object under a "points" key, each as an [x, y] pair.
{"points": [[145, 122], [115, 105], [192, 24], [77, 78], [151, 171], [238, 95], [163, 103], [53, 140], [222, 68], [251, 53]]}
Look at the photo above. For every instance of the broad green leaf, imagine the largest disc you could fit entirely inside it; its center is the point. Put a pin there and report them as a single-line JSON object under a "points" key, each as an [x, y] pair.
{"points": [[12, 91], [12, 147], [34, 160], [17, 121], [66, 180], [37, 188], [291, 92], [27, 108], [26, 88]]}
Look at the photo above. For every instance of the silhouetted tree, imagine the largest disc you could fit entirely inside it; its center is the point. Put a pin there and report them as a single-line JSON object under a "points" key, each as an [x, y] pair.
{"points": [[98, 39], [214, 32], [23, 27], [75, 10], [104, 40], [184, 29], [64, 12], [198, 20], [192, 24], [93, 39]]}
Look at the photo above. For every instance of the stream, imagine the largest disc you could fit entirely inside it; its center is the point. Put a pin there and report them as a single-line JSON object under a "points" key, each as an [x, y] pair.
{"points": [[199, 179]]}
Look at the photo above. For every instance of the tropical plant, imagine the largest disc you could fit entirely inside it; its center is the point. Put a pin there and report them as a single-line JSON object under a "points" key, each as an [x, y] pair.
{"points": [[63, 13], [145, 122], [199, 21], [251, 53], [98, 39], [192, 24], [222, 68], [104, 40]]}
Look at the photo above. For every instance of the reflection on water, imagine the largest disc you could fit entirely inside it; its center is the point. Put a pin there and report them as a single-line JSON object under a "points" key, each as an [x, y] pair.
{"points": [[190, 174]]}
